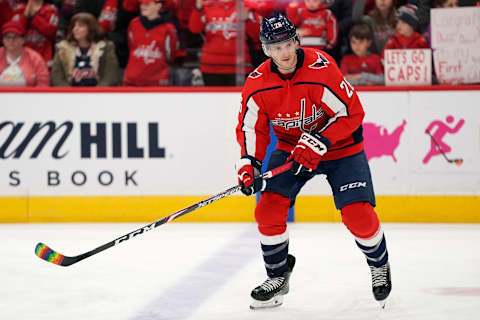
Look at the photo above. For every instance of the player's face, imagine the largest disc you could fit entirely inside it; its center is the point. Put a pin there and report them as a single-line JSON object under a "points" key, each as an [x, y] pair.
{"points": [[360, 46], [404, 28], [80, 31], [313, 4], [284, 55]]}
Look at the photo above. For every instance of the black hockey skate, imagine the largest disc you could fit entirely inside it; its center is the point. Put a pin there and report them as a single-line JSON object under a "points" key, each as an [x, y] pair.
{"points": [[270, 293], [381, 283]]}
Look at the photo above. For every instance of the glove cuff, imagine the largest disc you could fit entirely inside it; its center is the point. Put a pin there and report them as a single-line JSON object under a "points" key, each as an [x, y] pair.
{"points": [[321, 138], [257, 164], [312, 143]]}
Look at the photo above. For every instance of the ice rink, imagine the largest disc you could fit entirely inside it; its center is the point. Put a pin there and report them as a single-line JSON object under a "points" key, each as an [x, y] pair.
{"points": [[206, 271]]}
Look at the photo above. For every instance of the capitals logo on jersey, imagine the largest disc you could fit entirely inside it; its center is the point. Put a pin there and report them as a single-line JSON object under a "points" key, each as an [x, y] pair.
{"points": [[320, 63], [227, 26], [300, 120], [148, 53]]}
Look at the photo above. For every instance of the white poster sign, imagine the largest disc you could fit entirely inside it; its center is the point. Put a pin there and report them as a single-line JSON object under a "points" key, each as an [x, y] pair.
{"points": [[457, 65], [455, 36], [408, 67]]}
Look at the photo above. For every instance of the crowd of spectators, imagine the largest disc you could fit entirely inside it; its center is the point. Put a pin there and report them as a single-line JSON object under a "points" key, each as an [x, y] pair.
{"points": [[195, 42]]}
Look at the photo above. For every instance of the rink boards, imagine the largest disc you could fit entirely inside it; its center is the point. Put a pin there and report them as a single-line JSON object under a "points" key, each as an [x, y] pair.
{"points": [[137, 156]]}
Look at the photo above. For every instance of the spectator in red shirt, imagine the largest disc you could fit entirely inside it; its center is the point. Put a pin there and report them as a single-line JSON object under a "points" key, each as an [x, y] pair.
{"points": [[362, 67], [317, 25], [218, 20], [40, 21], [153, 44], [19, 65], [406, 36]]}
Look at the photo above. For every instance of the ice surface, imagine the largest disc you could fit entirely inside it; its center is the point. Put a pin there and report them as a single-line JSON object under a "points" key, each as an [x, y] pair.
{"points": [[206, 271]]}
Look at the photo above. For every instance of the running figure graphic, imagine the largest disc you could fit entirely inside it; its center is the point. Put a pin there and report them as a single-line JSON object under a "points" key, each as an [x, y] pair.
{"points": [[441, 130]]}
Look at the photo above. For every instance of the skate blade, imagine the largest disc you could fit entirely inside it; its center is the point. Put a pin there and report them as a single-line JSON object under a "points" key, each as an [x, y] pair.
{"points": [[272, 303], [382, 303]]}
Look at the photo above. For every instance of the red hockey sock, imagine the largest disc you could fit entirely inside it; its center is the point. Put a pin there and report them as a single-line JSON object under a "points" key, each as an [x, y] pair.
{"points": [[271, 213], [361, 219]]}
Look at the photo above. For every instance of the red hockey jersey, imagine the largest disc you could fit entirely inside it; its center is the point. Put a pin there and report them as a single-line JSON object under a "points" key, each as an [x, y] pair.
{"points": [[415, 41], [108, 16], [352, 64], [151, 52], [41, 29], [316, 97], [219, 22], [319, 28], [7, 7]]}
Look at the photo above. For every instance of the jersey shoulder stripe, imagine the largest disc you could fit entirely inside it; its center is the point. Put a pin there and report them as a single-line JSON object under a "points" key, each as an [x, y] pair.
{"points": [[332, 92], [261, 90]]}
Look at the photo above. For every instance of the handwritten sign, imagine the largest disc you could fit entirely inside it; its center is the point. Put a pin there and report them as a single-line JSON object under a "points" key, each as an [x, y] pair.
{"points": [[452, 27], [408, 67], [456, 44], [457, 65]]}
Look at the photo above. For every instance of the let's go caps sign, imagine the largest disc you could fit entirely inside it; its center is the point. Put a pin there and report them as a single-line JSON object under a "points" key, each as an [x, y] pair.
{"points": [[456, 44], [408, 67]]}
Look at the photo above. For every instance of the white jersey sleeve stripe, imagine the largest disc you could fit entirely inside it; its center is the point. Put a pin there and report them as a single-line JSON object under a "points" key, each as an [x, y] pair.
{"points": [[249, 122], [335, 104]]}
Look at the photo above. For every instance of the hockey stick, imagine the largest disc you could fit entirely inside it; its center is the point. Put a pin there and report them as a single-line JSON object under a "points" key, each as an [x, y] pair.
{"points": [[457, 161], [46, 253]]}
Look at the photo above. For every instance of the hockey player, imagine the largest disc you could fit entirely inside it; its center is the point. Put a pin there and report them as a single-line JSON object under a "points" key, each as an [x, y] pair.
{"points": [[317, 118]]}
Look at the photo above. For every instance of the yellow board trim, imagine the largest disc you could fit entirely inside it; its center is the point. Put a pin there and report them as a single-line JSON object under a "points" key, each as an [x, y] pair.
{"points": [[122, 209], [445, 209]]}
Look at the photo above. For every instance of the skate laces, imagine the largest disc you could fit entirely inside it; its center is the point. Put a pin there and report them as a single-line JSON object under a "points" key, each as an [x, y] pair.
{"points": [[379, 275], [272, 283]]}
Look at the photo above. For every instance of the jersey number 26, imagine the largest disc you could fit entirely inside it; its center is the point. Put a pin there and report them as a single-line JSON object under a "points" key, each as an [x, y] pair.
{"points": [[345, 85]]}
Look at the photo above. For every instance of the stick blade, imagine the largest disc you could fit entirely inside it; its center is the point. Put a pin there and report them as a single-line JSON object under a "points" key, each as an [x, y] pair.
{"points": [[46, 253]]}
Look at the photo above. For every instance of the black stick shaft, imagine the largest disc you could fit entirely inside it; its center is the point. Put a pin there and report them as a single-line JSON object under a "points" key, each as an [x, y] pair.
{"points": [[67, 261], [438, 146]]}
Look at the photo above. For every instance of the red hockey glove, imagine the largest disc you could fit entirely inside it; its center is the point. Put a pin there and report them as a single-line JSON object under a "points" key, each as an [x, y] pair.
{"points": [[307, 153], [249, 176]]}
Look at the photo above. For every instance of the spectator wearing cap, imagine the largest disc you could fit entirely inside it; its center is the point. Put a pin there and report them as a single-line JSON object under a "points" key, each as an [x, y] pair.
{"points": [[19, 65], [406, 36], [153, 44], [40, 21], [84, 58]]}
